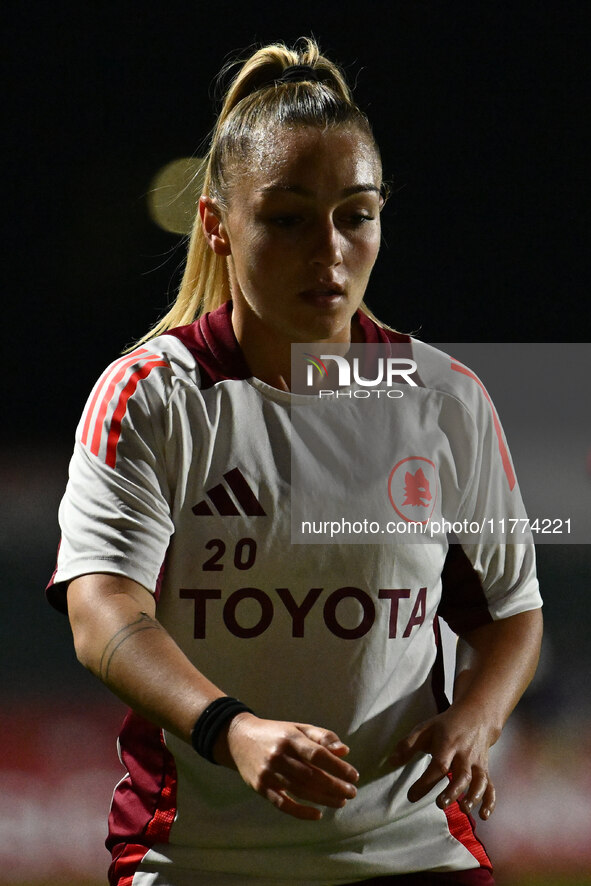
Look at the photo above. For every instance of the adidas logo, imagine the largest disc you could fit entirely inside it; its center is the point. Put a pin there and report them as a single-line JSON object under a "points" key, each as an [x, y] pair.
{"points": [[224, 504]]}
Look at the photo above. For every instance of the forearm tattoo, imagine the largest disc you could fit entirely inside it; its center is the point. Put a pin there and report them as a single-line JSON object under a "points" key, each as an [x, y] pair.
{"points": [[143, 623]]}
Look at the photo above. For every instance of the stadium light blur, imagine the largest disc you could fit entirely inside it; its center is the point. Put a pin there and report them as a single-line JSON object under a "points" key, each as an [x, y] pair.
{"points": [[174, 192]]}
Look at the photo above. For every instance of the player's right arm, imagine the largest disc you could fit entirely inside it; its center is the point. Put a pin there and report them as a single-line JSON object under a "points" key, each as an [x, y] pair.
{"points": [[119, 639]]}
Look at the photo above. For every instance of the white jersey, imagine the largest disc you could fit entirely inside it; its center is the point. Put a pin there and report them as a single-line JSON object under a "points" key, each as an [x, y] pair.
{"points": [[180, 480]]}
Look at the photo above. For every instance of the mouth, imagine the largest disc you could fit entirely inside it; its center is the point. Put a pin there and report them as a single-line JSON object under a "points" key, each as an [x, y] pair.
{"points": [[324, 294]]}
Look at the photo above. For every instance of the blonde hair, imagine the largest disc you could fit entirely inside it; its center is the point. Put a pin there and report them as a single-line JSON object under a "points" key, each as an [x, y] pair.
{"points": [[255, 100]]}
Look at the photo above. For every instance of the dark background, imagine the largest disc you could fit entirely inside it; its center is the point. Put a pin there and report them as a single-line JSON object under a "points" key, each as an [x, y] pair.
{"points": [[482, 113]]}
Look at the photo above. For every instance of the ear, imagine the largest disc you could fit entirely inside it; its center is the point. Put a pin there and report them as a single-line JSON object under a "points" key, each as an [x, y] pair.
{"points": [[214, 229]]}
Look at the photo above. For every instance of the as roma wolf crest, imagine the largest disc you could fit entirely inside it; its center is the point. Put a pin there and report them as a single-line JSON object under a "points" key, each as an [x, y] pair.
{"points": [[412, 488], [416, 489]]}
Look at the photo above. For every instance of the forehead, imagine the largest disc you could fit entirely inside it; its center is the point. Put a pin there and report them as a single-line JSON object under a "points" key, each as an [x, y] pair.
{"points": [[309, 159]]}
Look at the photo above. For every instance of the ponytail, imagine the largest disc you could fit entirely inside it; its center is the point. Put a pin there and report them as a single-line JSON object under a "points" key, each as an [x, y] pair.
{"points": [[257, 98]]}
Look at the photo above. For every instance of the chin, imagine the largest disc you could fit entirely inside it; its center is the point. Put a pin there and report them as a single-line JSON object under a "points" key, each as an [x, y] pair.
{"points": [[324, 331], [323, 327]]}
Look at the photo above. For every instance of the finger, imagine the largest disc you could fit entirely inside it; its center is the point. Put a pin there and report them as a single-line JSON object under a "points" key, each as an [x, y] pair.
{"points": [[407, 747], [284, 803], [461, 779], [338, 749], [325, 737], [322, 757], [433, 774], [309, 783], [489, 801], [322, 736], [475, 791]]}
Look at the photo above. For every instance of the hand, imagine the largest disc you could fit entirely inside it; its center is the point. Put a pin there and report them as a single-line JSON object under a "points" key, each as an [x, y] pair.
{"points": [[459, 746], [286, 762]]}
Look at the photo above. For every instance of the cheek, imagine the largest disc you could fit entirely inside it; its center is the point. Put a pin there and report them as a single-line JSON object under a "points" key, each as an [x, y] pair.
{"points": [[250, 253], [266, 258], [366, 253], [259, 265]]}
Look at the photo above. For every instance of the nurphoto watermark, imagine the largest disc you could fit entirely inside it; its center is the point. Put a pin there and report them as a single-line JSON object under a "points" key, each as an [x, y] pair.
{"points": [[400, 441]]}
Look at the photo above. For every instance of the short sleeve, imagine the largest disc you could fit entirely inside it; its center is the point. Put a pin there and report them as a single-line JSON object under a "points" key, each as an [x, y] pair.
{"points": [[115, 515], [490, 571]]}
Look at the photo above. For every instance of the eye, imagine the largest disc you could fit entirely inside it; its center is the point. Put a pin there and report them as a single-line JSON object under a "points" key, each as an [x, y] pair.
{"points": [[285, 221], [357, 219]]}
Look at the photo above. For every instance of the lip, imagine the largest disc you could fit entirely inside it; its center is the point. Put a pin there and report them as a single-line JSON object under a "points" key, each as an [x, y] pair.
{"points": [[324, 293]]}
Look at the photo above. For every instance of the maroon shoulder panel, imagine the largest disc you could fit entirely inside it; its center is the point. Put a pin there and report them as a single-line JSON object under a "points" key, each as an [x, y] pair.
{"points": [[463, 602], [212, 343], [144, 803], [374, 334]]}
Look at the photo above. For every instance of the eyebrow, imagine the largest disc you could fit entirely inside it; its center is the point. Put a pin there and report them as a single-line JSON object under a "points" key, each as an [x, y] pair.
{"points": [[304, 192]]}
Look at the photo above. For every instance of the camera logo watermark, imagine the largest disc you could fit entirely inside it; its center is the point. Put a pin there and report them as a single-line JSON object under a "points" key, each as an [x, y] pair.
{"points": [[347, 372]]}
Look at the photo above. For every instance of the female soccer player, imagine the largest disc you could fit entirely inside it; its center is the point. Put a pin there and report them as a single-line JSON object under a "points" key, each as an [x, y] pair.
{"points": [[342, 761]]}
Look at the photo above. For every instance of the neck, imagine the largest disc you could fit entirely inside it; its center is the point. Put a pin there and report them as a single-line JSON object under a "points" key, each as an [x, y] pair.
{"points": [[268, 353]]}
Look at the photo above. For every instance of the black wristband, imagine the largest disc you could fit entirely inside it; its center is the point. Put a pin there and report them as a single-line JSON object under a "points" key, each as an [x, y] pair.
{"points": [[210, 723]]}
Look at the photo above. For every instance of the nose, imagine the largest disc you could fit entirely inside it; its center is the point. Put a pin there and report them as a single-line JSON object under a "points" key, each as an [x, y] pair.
{"points": [[327, 246]]}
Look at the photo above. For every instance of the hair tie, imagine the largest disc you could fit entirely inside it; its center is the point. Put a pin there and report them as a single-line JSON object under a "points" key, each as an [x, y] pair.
{"points": [[298, 73], [211, 722]]}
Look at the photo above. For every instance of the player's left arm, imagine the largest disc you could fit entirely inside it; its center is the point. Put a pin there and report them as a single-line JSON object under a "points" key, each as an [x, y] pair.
{"points": [[495, 664]]}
